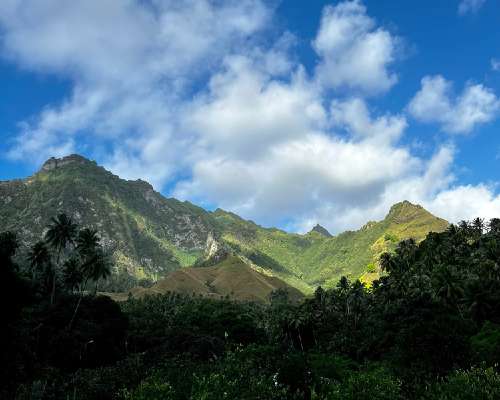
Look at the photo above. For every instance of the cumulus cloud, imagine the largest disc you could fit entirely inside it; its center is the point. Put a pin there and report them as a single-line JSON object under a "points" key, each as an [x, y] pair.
{"points": [[435, 102], [196, 96], [354, 116], [132, 64], [355, 52], [246, 112], [470, 6]]}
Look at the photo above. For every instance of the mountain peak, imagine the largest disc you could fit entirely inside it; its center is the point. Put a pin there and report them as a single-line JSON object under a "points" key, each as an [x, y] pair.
{"points": [[405, 211], [405, 204], [321, 230], [54, 163]]}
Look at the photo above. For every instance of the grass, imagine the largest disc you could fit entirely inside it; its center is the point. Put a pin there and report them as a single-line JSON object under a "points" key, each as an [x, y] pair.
{"points": [[232, 277]]}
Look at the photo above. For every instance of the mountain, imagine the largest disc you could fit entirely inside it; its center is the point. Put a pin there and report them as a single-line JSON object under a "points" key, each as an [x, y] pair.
{"points": [[306, 261], [231, 277], [151, 236], [321, 230]]}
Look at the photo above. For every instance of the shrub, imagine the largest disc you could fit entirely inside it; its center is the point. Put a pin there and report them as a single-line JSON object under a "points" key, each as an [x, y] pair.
{"points": [[371, 268], [372, 384], [486, 344], [475, 384], [151, 389]]}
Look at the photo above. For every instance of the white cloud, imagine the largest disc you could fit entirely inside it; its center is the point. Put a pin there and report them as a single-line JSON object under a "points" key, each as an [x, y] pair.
{"points": [[355, 52], [246, 112], [194, 89], [300, 176], [433, 186], [470, 6], [132, 63], [108, 41], [435, 102], [354, 116]]}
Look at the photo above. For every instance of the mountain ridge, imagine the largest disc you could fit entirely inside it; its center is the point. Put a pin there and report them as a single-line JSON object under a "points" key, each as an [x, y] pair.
{"points": [[151, 235]]}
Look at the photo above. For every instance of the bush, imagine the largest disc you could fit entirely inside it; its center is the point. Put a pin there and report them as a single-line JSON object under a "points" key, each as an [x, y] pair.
{"points": [[474, 384], [372, 384], [486, 344], [151, 389], [371, 268]]}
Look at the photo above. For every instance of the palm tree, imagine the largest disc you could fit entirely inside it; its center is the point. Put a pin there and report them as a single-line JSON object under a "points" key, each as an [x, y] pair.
{"points": [[87, 241], [95, 266], [72, 274], [386, 262], [39, 258], [61, 233], [478, 225], [448, 287]]}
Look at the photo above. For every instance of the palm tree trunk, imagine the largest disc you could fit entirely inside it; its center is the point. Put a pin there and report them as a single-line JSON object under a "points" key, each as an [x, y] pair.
{"points": [[53, 294], [300, 340], [77, 306]]}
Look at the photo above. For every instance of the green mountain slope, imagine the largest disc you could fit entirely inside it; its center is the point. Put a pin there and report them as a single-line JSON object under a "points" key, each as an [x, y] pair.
{"points": [[314, 259], [150, 235]]}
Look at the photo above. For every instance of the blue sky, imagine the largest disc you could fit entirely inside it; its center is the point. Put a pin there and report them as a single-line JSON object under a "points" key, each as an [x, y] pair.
{"points": [[286, 113]]}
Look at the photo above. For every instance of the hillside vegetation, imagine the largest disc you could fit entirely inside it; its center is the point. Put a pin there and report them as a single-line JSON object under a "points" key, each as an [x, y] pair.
{"points": [[150, 235], [314, 259]]}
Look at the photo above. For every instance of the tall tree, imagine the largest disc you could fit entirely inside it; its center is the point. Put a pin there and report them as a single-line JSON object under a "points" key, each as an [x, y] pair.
{"points": [[40, 259], [95, 263], [87, 241], [61, 233]]}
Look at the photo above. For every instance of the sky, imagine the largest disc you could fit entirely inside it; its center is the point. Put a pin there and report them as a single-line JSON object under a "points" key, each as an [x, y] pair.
{"points": [[288, 113]]}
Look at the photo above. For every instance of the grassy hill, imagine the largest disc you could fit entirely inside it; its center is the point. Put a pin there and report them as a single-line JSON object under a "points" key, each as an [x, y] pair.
{"points": [[231, 278], [150, 235]]}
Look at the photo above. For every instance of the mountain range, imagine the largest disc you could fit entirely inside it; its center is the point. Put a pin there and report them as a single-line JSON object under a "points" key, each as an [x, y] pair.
{"points": [[151, 236]]}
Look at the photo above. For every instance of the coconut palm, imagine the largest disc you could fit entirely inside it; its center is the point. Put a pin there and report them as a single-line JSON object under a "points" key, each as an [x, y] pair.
{"points": [[72, 274], [61, 233], [40, 259], [448, 287], [96, 265], [87, 241]]}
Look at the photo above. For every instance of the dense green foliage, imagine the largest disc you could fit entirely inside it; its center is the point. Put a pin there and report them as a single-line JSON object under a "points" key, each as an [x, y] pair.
{"points": [[149, 235], [428, 329]]}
